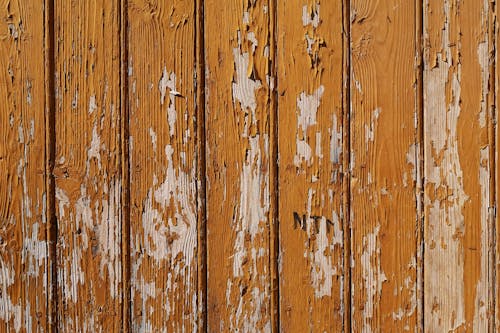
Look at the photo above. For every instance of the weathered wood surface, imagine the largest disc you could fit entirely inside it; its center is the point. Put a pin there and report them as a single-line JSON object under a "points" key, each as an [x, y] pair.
{"points": [[457, 167], [311, 78], [384, 164], [24, 264], [239, 87], [87, 171], [249, 166], [163, 166]]}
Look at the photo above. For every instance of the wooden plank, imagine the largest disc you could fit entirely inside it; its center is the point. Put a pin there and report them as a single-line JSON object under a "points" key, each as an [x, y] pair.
{"points": [[311, 76], [384, 163], [163, 165], [239, 86], [457, 166], [87, 165], [23, 193]]}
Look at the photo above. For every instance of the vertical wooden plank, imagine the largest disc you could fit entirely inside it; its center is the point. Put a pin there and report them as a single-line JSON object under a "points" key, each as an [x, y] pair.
{"points": [[163, 162], [311, 179], [239, 85], [87, 165], [23, 193], [457, 165], [384, 163]]}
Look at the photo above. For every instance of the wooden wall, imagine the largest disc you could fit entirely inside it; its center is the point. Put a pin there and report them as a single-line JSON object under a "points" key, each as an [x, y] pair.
{"points": [[249, 166]]}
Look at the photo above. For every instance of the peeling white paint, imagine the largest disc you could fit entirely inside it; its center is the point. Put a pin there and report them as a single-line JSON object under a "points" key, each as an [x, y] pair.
{"points": [[482, 287], [311, 15], [94, 150], [154, 141], [443, 173], [92, 104], [370, 129], [373, 275], [483, 56], [335, 140], [244, 87], [306, 116]]}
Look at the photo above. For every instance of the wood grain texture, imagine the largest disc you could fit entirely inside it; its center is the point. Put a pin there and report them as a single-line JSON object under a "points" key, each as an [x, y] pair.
{"points": [[239, 85], [457, 118], [87, 165], [163, 162], [384, 164], [24, 262], [311, 157]]}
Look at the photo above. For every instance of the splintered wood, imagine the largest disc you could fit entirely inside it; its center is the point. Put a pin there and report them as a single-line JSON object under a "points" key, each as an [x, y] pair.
{"points": [[249, 166]]}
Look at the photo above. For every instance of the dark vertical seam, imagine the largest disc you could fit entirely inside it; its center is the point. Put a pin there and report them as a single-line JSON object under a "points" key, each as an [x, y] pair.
{"points": [[50, 147], [420, 162], [125, 168], [274, 169], [346, 105], [492, 38], [201, 197]]}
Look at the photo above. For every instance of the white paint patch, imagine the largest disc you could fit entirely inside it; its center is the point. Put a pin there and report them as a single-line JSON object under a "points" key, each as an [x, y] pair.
{"points": [[168, 80], [92, 104], [482, 287], [29, 98], [370, 130], [94, 150], [244, 87], [372, 274], [311, 16], [483, 56], [443, 172], [154, 141], [9, 311], [251, 210], [307, 109], [335, 141]]}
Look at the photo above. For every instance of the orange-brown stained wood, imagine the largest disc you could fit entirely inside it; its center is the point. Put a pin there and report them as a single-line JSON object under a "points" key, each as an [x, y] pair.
{"points": [[87, 165], [457, 166], [384, 163], [163, 165], [23, 194], [311, 139], [239, 85]]}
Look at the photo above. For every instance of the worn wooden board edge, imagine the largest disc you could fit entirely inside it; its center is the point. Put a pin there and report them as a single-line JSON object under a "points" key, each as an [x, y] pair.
{"points": [[419, 160], [199, 82], [346, 167], [51, 232], [125, 168]]}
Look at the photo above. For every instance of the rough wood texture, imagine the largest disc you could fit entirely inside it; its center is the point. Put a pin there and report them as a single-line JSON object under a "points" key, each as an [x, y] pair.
{"points": [[249, 165], [311, 139], [384, 164], [457, 166], [239, 84], [23, 193], [163, 162], [87, 165]]}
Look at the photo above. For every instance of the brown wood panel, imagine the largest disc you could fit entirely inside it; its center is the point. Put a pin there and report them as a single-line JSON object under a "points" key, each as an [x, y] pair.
{"points": [[311, 76], [87, 171], [457, 166], [163, 165], [24, 262], [239, 84], [384, 162]]}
